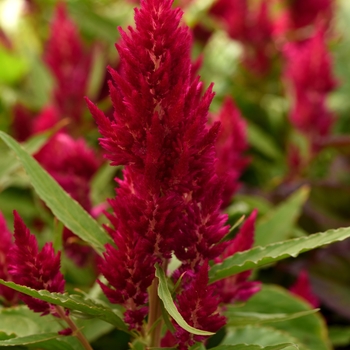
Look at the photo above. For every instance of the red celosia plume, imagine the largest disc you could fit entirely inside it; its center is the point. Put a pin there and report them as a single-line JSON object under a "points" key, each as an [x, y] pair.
{"points": [[170, 196], [29, 267]]}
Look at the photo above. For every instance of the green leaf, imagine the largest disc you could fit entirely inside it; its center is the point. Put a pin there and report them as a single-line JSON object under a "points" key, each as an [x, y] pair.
{"points": [[34, 339], [9, 164], [277, 225], [20, 322], [260, 336], [261, 141], [271, 253], [165, 296], [240, 318], [13, 67], [74, 302], [66, 209], [255, 347], [340, 336], [309, 332]]}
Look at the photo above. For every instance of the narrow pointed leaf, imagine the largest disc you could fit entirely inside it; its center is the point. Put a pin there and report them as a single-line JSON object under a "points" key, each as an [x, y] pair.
{"points": [[74, 302], [66, 209], [277, 225], [165, 296], [271, 253], [256, 347]]}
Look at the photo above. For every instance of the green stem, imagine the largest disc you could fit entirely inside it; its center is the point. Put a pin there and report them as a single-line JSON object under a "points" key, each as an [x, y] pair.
{"points": [[155, 312], [61, 312]]}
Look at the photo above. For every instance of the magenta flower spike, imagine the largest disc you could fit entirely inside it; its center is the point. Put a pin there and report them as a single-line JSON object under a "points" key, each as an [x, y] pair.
{"points": [[170, 196], [5, 245], [307, 12], [68, 61], [230, 147], [309, 74], [29, 267]]}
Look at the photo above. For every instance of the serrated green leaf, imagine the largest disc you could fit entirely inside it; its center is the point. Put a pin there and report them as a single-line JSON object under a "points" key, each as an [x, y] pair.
{"points": [[271, 253], [165, 296], [239, 318], [66, 209], [277, 225], [255, 347], [73, 302]]}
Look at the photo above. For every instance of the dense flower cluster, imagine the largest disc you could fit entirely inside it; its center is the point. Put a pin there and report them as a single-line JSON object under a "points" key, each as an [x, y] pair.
{"points": [[252, 27], [8, 294], [29, 267], [309, 73], [69, 63], [230, 147], [170, 196]]}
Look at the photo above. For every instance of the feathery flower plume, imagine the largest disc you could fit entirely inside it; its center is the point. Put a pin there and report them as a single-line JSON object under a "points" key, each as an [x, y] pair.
{"points": [[309, 73], [230, 145], [252, 27], [69, 63], [306, 12], [29, 267], [169, 199], [5, 244]]}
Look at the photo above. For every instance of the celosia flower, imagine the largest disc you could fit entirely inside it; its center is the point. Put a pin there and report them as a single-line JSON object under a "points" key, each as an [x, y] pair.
{"points": [[309, 74], [198, 305], [69, 63], [169, 199], [230, 145], [29, 267], [237, 287], [5, 244], [302, 288], [252, 27], [309, 65], [306, 12]]}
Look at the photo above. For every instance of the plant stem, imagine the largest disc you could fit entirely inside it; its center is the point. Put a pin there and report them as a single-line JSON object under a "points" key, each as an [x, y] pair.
{"points": [[155, 312], [61, 312]]}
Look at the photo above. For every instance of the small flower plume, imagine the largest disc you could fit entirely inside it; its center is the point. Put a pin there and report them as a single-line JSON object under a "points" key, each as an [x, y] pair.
{"points": [[230, 146], [307, 12], [5, 245], [237, 287], [29, 267], [170, 196], [253, 27], [302, 288], [309, 74], [69, 63]]}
